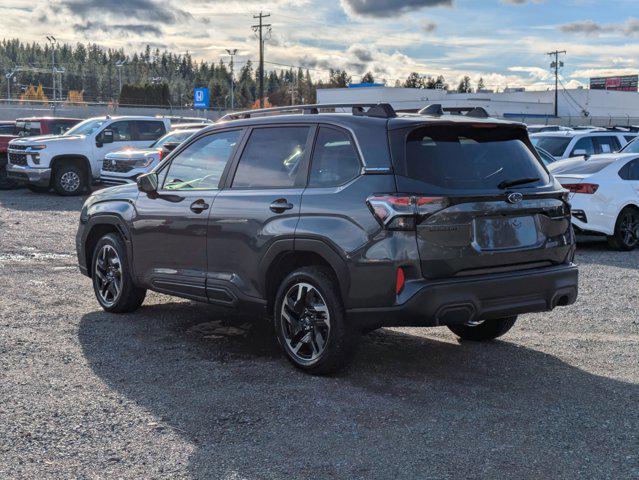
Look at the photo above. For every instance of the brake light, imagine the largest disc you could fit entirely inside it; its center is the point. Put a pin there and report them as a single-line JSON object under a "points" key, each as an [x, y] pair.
{"points": [[588, 188], [400, 280], [402, 211], [161, 152]]}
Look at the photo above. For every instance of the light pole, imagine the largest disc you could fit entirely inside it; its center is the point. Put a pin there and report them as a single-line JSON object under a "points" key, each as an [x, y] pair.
{"points": [[119, 64], [53, 42], [232, 54]]}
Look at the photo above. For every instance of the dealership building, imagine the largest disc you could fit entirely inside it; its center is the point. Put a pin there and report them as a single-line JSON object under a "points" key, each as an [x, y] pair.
{"points": [[575, 106]]}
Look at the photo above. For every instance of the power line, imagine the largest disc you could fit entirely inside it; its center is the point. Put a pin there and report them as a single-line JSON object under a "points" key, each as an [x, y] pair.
{"points": [[259, 28]]}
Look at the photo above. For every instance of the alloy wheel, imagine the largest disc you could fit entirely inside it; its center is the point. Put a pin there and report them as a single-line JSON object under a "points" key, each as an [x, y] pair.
{"points": [[108, 275], [628, 227], [305, 322], [70, 181]]}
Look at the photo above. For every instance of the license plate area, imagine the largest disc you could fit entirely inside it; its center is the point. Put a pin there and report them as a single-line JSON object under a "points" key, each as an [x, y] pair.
{"points": [[505, 232]]}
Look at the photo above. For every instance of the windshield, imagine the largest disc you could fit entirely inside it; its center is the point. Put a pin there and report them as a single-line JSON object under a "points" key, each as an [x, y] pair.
{"points": [[87, 127], [632, 147], [444, 159], [171, 137], [556, 146]]}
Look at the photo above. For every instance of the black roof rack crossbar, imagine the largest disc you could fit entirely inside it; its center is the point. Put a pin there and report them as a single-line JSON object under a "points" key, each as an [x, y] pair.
{"points": [[379, 110], [437, 110]]}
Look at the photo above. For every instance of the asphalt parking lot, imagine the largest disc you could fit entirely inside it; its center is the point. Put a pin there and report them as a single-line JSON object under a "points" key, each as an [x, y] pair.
{"points": [[181, 390]]}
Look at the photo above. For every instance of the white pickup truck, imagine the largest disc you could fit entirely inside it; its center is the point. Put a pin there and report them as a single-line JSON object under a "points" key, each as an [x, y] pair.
{"points": [[71, 162]]}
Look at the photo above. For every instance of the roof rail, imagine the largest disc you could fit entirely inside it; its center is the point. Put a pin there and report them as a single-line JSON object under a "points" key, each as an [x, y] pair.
{"points": [[437, 110], [378, 110]]}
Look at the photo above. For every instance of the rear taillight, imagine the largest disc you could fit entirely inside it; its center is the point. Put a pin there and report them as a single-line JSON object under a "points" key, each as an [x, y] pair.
{"points": [[161, 152], [400, 280], [588, 188], [402, 211]]}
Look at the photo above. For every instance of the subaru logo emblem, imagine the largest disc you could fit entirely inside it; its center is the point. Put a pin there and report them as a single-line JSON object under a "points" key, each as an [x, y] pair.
{"points": [[515, 197]]}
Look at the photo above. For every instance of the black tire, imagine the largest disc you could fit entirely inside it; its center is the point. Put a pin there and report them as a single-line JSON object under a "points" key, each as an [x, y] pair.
{"points": [[38, 188], [69, 179], [625, 237], [340, 340], [129, 297], [487, 330]]}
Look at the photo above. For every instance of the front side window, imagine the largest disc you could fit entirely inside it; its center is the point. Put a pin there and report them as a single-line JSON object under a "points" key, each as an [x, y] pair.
{"points": [[335, 160], [149, 131], [122, 131], [583, 146], [200, 165], [272, 158]]}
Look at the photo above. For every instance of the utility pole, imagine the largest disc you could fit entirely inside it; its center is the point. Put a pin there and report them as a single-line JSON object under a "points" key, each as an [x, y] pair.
{"points": [[556, 64], [258, 28], [232, 54], [52, 41]]}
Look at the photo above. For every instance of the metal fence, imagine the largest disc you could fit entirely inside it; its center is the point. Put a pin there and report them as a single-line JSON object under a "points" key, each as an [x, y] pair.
{"points": [[10, 110]]}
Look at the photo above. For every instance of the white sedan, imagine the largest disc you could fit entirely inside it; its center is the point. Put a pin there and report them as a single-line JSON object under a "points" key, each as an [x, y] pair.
{"points": [[604, 195]]}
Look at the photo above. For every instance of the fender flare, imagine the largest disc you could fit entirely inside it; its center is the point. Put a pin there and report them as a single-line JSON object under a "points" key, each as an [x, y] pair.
{"points": [[306, 245], [74, 156], [121, 227]]}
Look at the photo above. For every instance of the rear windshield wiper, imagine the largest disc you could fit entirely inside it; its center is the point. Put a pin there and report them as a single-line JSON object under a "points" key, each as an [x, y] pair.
{"points": [[518, 181]]}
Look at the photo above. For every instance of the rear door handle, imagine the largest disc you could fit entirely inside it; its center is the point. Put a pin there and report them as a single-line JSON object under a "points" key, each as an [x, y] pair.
{"points": [[280, 205], [199, 206]]}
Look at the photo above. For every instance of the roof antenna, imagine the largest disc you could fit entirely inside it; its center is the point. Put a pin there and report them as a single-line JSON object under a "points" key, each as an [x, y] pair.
{"points": [[435, 110]]}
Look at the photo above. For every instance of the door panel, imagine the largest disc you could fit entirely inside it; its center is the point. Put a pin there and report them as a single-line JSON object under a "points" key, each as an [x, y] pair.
{"points": [[261, 205], [170, 228]]}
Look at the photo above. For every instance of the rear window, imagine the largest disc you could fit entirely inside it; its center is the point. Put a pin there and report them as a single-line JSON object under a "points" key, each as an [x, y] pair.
{"points": [[461, 158], [584, 168], [556, 146]]}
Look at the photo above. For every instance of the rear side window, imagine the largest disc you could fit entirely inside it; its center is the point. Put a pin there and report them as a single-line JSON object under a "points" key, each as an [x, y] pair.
{"points": [[335, 160], [630, 170], [150, 130], [556, 146], [465, 158], [606, 144], [271, 158]]}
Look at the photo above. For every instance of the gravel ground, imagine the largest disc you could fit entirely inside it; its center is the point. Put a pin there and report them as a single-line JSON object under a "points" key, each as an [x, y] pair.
{"points": [[172, 392]]}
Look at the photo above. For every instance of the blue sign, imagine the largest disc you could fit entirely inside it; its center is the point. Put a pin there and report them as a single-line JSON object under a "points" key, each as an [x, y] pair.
{"points": [[201, 98]]}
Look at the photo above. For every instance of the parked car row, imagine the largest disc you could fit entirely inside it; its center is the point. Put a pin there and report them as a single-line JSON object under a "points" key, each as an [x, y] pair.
{"points": [[71, 161]]}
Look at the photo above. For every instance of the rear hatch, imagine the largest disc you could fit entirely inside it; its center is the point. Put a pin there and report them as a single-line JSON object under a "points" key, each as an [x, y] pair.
{"points": [[484, 201]]}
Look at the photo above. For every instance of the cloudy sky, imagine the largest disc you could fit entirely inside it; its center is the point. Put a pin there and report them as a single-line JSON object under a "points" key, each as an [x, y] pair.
{"points": [[504, 41]]}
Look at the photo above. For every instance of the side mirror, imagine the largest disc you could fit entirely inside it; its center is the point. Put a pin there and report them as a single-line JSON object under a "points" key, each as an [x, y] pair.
{"points": [[168, 147], [106, 136], [148, 182]]}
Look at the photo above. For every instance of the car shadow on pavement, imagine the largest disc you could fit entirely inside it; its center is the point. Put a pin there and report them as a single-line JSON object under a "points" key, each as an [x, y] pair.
{"points": [[409, 407]]}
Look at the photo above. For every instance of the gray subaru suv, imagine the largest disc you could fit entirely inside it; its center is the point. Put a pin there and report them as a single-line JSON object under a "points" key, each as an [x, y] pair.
{"points": [[335, 220]]}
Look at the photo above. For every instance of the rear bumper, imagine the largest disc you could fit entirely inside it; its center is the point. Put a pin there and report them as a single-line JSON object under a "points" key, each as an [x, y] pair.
{"points": [[30, 175], [460, 301]]}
